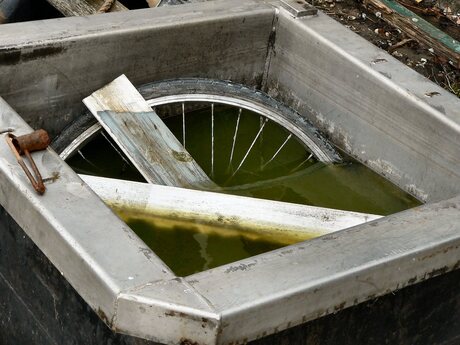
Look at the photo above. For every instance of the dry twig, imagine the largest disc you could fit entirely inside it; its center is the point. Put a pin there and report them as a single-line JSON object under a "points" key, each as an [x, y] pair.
{"points": [[400, 44]]}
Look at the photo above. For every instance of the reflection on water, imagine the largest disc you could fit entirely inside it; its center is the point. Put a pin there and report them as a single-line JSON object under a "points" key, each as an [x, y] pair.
{"points": [[348, 186], [190, 248]]}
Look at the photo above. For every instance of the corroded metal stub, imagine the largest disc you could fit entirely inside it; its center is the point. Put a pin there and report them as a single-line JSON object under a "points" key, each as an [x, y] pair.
{"points": [[23, 145], [35, 141]]}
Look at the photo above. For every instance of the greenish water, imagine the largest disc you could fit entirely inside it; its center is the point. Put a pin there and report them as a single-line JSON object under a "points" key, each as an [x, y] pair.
{"points": [[199, 144], [188, 248], [348, 186], [99, 158], [290, 177]]}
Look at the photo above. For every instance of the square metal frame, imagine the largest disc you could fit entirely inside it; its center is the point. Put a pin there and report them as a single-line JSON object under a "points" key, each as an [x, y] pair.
{"points": [[47, 67]]}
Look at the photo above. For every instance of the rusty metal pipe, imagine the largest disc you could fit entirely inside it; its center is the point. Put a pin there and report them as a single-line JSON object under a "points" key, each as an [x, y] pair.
{"points": [[35, 141], [23, 145]]}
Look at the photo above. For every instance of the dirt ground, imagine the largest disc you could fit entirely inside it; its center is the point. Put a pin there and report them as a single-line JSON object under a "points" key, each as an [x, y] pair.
{"points": [[355, 16]]}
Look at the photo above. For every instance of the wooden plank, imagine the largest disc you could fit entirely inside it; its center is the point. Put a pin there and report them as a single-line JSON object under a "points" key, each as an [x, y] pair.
{"points": [[71, 8], [272, 218], [144, 138], [153, 3], [417, 28]]}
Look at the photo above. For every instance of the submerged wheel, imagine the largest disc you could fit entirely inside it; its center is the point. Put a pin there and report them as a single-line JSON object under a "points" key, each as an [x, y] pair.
{"points": [[273, 127]]}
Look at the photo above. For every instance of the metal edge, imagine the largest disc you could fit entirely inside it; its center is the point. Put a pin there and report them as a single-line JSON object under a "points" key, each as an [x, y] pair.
{"points": [[71, 28], [325, 275], [349, 107], [247, 268], [78, 246], [169, 312]]}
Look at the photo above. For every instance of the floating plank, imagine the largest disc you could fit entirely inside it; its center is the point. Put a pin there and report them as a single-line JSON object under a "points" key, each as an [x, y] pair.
{"points": [[144, 138], [273, 218], [417, 28], [71, 8]]}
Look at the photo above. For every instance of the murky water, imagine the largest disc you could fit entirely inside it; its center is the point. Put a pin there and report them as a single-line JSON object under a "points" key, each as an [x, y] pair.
{"points": [[291, 176], [192, 247]]}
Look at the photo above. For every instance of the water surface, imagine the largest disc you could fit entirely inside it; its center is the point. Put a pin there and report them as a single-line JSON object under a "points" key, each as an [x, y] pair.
{"points": [[292, 176]]}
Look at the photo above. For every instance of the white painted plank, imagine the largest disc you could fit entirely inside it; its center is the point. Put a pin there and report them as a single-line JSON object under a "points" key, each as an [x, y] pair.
{"points": [[71, 8], [216, 209], [144, 138]]}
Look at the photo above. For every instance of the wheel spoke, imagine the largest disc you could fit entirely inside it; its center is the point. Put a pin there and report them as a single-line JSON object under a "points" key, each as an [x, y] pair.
{"points": [[87, 160], [261, 142], [303, 162], [234, 138], [249, 150], [183, 124], [278, 151], [212, 140], [115, 148]]}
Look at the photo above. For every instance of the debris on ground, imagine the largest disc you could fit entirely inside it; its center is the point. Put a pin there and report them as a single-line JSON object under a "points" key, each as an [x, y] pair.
{"points": [[369, 24]]}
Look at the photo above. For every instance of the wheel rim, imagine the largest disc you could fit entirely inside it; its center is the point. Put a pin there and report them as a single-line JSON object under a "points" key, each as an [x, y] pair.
{"points": [[178, 94], [212, 99]]}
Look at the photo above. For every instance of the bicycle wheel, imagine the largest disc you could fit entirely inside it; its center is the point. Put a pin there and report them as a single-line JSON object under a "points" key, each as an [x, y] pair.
{"points": [[227, 104]]}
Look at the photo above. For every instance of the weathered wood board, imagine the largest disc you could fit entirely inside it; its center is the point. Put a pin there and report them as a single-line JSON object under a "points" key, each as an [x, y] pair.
{"points": [[144, 138], [71, 8], [273, 218]]}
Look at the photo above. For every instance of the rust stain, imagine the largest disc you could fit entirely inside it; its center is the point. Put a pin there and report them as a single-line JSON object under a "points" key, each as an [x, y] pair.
{"points": [[35, 141], [53, 178], [23, 145], [438, 271], [412, 280], [339, 306], [442, 251], [103, 317]]}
